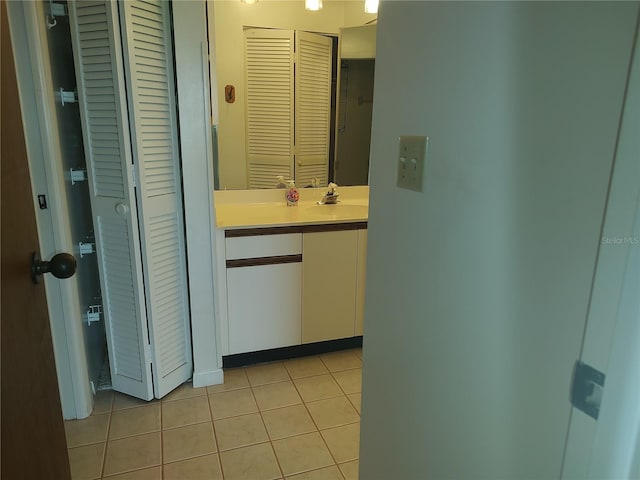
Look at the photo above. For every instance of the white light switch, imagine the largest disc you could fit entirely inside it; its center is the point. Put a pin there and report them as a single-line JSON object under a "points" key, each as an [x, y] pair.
{"points": [[411, 157]]}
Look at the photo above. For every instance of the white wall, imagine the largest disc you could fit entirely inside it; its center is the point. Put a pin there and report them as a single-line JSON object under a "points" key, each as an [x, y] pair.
{"points": [[477, 289], [229, 19]]}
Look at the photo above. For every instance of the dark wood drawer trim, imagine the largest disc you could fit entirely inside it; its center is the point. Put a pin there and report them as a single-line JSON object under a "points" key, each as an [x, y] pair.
{"points": [[252, 232], [334, 227], [260, 261]]}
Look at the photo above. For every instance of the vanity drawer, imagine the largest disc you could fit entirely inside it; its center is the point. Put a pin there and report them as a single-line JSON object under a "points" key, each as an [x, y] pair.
{"points": [[258, 246]]}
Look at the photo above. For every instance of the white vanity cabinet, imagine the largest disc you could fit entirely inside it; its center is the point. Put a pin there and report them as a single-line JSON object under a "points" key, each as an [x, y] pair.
{"points": [[333, 281], [292, 285], [329, 274], [263, 274]]}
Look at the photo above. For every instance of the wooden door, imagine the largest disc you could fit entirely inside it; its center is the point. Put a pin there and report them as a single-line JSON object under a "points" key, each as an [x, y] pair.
{"points": [[33, 440]]}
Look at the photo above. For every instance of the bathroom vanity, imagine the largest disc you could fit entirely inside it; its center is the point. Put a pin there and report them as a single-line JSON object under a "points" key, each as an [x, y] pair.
{"points": [[289, 276]]}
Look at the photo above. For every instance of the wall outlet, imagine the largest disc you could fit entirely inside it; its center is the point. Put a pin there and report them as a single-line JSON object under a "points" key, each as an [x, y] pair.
{"points": [[411, 157]]}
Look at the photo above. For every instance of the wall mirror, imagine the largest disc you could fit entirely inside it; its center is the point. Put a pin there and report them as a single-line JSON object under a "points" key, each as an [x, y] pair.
{"points": [[293, 92]]}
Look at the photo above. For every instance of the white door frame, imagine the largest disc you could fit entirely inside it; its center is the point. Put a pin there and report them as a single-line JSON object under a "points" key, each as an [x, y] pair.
{"points": [[610, 446], [43, 148]]}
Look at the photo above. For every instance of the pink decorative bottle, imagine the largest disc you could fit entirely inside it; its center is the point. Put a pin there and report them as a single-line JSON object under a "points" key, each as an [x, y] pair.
{"points": [[292, 194]]}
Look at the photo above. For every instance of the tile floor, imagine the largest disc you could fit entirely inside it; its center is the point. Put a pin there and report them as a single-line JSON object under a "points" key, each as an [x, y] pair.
{"points": [[297, 419]]}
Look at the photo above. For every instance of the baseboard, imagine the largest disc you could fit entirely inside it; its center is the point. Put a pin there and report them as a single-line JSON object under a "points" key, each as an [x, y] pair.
{"points": [[210, 377], [294, 351]]}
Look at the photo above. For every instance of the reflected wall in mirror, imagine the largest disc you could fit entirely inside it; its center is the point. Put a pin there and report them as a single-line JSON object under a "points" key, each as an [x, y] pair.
{"points": [[345, 157]]}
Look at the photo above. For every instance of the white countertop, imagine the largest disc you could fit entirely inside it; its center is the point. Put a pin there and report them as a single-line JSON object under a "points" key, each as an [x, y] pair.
{"points": [[267, 208]]}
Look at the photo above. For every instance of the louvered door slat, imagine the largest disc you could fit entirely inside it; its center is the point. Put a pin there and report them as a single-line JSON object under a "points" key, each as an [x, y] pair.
{"points": [[101, 94], [148, 51], [269, 105], [313, 107]]}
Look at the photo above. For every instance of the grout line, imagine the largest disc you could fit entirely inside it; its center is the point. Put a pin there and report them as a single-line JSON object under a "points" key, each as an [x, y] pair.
{"points": [[275, 455], [106, 443], [215, 435]]}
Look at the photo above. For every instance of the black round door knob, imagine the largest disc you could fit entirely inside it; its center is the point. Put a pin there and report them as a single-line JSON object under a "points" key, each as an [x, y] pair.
{"points": [[62, 265]]}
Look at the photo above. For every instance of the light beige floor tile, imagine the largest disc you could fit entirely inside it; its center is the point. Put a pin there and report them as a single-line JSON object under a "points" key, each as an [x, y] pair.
{"points": [[302, 453], [268, 373], [358, 352], [102, 402], [332, 412], [343, 360], [135, 421], [327, 473], [355, 399], [288, 421], [185, 390], [120, 401], [86, 461], [201, 468], [276, 395], [92, 429], [233, 403], [234, 379], [185, 412], [305, 367], [350, 469], [188, 442], [343, 442], [317, 387], [349, 380], [256, 462], [153, 473], [132, 453], [240, 431]]}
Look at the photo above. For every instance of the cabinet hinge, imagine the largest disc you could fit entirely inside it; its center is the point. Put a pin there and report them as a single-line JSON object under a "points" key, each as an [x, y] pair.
{"points": [[77, 175], [86, 248], [65, 96], [587, 389], [148, 354], [133, 178], [93, 314]]}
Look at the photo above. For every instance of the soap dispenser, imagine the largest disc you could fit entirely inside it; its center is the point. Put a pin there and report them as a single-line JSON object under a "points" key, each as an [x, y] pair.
{"points": [[292, 194]]}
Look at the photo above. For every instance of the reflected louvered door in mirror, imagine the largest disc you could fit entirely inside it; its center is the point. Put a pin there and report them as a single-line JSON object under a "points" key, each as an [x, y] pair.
{"points": [[127, 95], [103, 109], [312, 108], [269, 59], [148, 55]]}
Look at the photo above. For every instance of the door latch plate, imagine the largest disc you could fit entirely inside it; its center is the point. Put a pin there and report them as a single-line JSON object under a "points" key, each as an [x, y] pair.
{"points": [[587, 388]]}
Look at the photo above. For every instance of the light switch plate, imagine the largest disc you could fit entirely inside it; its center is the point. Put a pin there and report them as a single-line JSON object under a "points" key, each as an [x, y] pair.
{"points": [[411, 157]]}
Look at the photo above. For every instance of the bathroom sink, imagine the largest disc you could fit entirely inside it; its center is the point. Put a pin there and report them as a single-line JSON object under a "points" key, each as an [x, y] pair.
{"points": [[340, 209]]}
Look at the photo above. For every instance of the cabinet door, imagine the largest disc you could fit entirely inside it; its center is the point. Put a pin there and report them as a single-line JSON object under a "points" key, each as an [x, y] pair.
{"points": [[361, 276], [328, 285], [263, 304]]}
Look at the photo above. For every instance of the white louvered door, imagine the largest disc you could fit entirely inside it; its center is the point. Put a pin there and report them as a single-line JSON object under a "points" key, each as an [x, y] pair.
{"points": [[148, 55], [139, 232], [269, 59], [312, 107], [101, 91]]}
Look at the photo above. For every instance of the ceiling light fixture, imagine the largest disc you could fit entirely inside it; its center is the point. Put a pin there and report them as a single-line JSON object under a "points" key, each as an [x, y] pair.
{"points": [[370, 6], [313, 5], [249, 1]]}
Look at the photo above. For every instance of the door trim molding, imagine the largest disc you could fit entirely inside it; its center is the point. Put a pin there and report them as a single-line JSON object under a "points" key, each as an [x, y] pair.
{"points": [[43, 149]]}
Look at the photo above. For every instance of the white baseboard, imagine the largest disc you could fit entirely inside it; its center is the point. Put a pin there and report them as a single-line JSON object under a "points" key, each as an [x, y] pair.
{"points": [[209, 377]]}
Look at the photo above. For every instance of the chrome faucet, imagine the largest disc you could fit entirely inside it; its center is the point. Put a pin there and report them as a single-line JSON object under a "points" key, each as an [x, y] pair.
{"points": [[331, 197]]}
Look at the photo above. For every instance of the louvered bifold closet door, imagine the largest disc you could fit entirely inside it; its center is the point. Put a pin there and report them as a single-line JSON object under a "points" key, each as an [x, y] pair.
{"points": [[101, 93], [312, 107], [269, 105], [148, 55]]}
